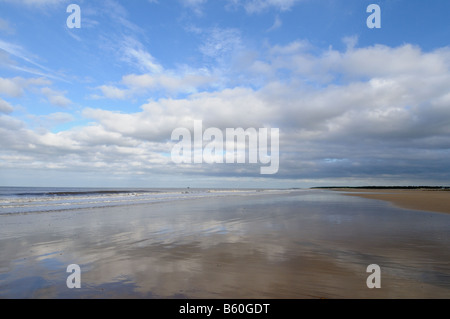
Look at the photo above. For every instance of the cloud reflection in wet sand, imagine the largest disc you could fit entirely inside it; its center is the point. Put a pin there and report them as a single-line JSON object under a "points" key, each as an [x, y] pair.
{"points": [[300, 244]]}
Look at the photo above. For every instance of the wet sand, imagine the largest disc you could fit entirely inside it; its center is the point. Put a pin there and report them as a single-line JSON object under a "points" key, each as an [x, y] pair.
{"points": [[298, 245], [418, 199]]}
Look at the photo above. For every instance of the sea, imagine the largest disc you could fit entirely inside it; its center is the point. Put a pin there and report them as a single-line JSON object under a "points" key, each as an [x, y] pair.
{"points": [[23, 200]]}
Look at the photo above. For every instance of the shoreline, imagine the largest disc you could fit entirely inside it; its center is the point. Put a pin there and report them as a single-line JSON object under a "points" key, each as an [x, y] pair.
{"points": [[432, 200]]}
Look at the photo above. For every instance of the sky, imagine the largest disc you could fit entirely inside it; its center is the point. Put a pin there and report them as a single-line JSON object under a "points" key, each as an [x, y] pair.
{"points": [[95, 106]]}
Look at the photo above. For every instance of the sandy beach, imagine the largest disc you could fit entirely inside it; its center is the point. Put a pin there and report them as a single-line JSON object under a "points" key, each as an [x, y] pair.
{"points": [[418, 199], [294, 244]]}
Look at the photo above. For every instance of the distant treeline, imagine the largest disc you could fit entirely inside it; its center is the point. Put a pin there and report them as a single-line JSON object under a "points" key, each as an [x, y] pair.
{"points": [[384, 187]]}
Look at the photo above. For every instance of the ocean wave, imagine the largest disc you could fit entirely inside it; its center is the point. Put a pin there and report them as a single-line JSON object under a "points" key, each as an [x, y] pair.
{"points": [[37, 201]]}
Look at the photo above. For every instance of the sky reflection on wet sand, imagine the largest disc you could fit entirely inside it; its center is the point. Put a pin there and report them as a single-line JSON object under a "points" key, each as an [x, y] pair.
{"points": [[300, 244]]}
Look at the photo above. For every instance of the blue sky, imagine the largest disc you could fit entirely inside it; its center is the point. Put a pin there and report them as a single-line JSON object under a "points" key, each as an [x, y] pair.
{"points": [[96, 106]]}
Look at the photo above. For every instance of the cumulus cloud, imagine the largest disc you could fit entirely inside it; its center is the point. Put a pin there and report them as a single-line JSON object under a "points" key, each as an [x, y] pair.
{"points": [[81, 149], [11, 87], [5, 107], [257, 6], [158, 118], [354, 114], [15, 87], [112, 92], [171, 82], [376, 117], [55, 97]]}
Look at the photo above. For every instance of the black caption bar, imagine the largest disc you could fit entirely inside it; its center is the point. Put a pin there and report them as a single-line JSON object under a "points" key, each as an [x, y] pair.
{"points": [[225, 308]]}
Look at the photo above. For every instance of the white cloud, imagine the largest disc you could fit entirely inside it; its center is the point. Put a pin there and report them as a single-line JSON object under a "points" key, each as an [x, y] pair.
{"points": [[221, 42], [195, 5], [356, 113], [5, 107], [11, 87], [112, 92], [257, 6], [158, 118], [48, 121], [81, 149], [37, 3], [276, 24], [172, 82], [15, 87], [55, 97], [58, 118], [134, 53], [291, 49]]}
